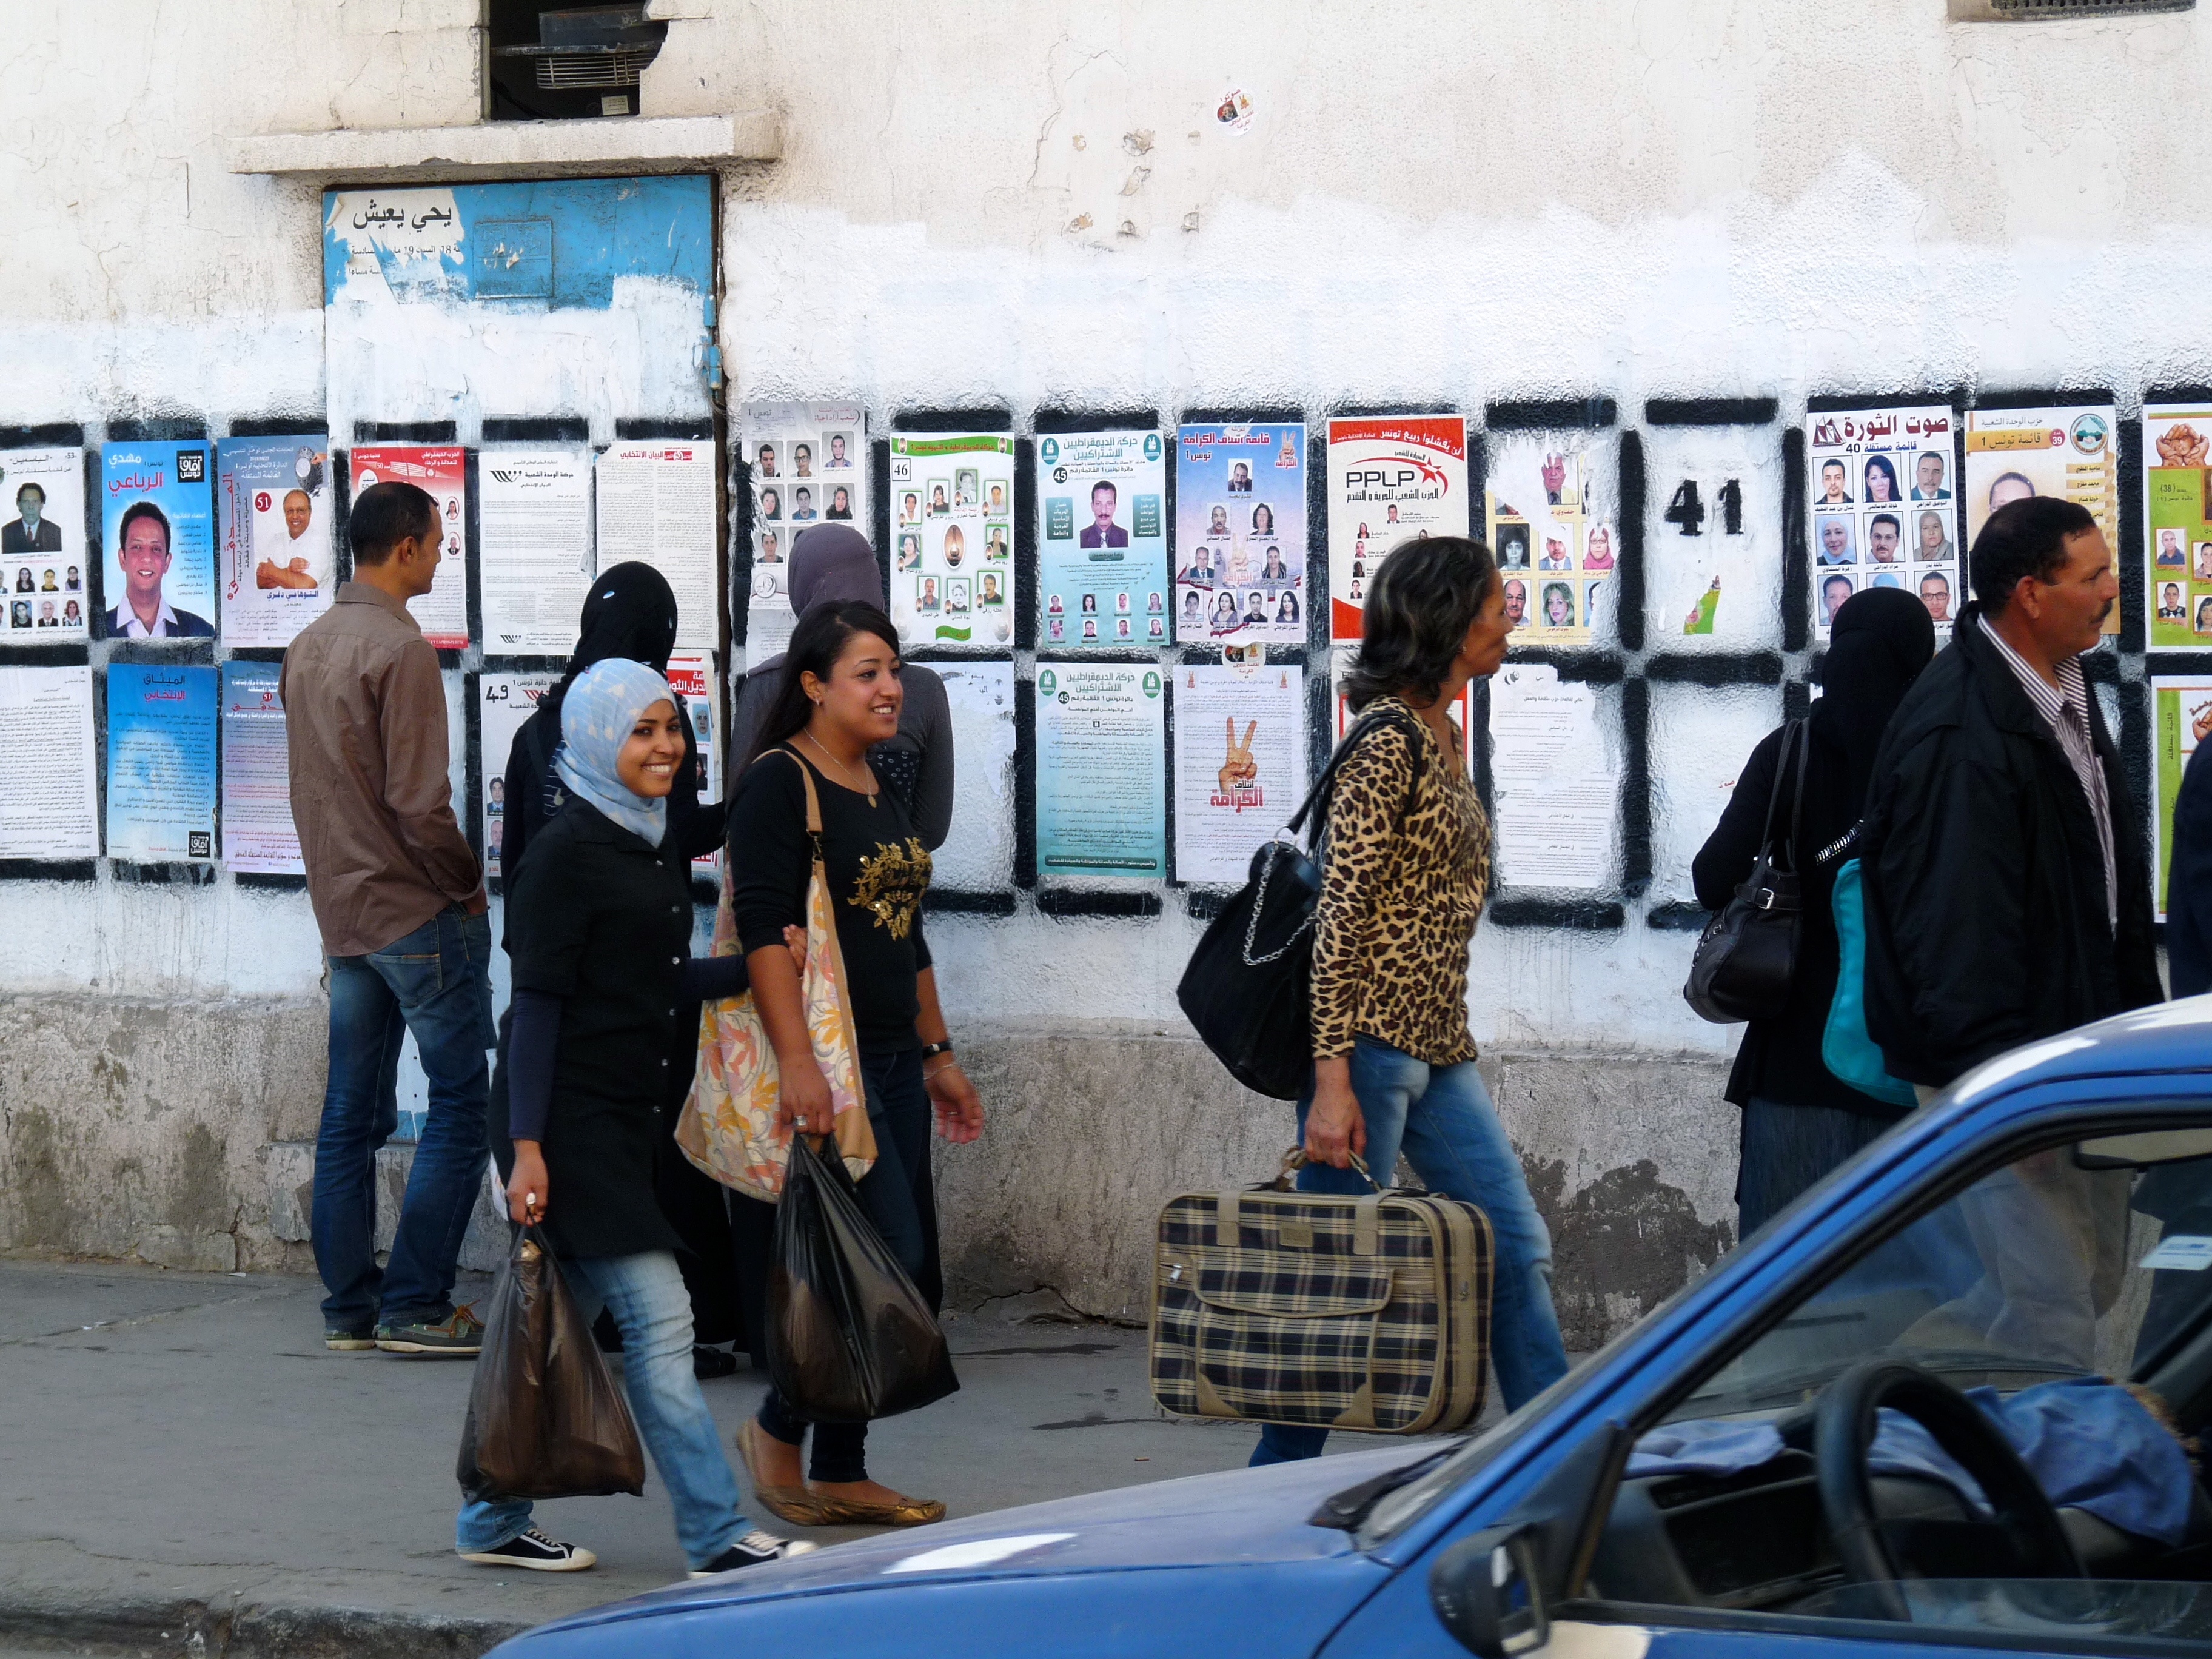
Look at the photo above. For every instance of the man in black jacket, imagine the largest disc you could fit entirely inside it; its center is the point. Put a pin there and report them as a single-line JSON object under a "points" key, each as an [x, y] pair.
{"points": [[2008, 898]]}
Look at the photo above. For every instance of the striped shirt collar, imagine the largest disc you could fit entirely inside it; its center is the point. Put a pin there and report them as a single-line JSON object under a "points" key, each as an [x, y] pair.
{"points": [[2065, 709], [2050, 701]]}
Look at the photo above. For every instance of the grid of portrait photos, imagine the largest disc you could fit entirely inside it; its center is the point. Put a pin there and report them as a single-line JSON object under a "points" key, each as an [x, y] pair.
{"points": [[1240, 533], [1884, 510], [952, 539], [1554, 545], [1120, 621]]}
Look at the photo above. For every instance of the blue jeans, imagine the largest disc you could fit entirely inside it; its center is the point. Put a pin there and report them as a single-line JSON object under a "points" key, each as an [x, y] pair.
{"points": [[653, 1311], [434, 982], [1443, 1118]]}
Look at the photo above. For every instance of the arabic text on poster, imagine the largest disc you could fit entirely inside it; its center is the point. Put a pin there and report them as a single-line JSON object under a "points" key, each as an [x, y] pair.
{"points": [[809, 465], [50, 809], [952, 539], [274, 512], [2071, 453], [1102, 779], [1882, 509], [656, 506], [534, 540], [1241, 534], [157, 528], [504, 702], [1555, 787], [1240, 764], [161, 736], [1549, 512], [45, 595], [1102, 571], [442, 614], [1389, 479], [258, 836]]}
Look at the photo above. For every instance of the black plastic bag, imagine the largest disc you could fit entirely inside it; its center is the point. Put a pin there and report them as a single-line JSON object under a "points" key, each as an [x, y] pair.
{"points": [[545, 1419], [849, 1337]]}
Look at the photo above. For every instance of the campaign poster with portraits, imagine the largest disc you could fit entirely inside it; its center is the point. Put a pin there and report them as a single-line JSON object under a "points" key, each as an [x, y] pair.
{"points": [[952, 539], [2072, 453], [1883, 508], [1548, 507], [157, 535], [2176, 447], [1390, 478], [656, 506], [1103, 566], [1712, 537], [161, 738], [50, 808], [504, 702], [1241, 534], [274, 513], [1240, 746], [533, 548], [45, 596], [809, 465], [691, 677], [2181, 719], [1101, 770], [258, 835], [442, 614]]}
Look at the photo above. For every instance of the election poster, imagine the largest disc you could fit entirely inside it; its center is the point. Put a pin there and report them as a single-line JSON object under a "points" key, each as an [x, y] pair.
{"points": [[1240, 751], [656, 507], [504, 702], [1103, 559], [691, 677], [161, 737], [1101, 774], [1549, 513], [274, 514], [442, 614], [952, 539], [258, 836], [2181, 719], [1241, 534], [50, 809], [157, 531], [2071, 453], [810, 465], [1390, 478], [2177, 444], [1882, 509], [978, 854], [1554, 785], [534, 549], [45, 596], [1340, 660], [1712, 539]]}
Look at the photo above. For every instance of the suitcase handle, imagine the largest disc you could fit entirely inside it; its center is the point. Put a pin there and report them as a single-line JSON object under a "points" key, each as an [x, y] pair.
{"points": [[1295, 1159]]}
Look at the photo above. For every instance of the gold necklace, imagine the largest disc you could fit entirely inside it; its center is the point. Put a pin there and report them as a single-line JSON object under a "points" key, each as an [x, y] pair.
{"points": [[840, 765]]}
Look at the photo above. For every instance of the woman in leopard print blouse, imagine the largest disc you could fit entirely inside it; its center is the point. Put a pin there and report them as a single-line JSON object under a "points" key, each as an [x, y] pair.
{"points": [[1406, 869]]}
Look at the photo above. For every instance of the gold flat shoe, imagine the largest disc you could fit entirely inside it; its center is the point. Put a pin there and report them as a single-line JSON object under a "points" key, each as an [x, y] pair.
{"points": [[906, 1512], [794, 1505]]}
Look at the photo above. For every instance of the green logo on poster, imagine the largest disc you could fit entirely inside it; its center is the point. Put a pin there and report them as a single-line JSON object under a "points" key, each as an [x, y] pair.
{"points": [[1151, 683], [1048, 682], [2089, 434], [1049, 452], [1151, 446]]}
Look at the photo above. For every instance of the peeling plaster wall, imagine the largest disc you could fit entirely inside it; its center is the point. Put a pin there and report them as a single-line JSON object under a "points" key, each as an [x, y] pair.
{"points": [[1436, 203]]}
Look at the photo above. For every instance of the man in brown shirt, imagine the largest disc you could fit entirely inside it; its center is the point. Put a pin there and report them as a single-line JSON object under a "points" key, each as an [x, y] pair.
{"points": [[399, 898]]}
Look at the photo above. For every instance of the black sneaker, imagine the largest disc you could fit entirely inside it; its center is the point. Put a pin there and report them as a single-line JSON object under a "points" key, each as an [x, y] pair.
{"points": [[355, 1339], [460, 1334], [534, 1551], [707, 1362], [750, 1550]]}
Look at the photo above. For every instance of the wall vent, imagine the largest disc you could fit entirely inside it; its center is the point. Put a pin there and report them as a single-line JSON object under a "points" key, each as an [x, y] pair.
{"points": [[2041, 11]]}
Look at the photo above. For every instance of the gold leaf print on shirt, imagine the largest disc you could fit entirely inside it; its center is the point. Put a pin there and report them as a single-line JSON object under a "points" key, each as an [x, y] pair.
{"points": [[890, 884]]}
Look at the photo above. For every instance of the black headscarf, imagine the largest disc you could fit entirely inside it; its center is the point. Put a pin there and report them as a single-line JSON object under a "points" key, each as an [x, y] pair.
{"points": [[1881, 639], [827, 562], [629, 612]]}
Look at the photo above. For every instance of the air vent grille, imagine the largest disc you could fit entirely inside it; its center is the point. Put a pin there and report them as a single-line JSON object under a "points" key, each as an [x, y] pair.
{"points": [[609, 69], [2038, 11]]}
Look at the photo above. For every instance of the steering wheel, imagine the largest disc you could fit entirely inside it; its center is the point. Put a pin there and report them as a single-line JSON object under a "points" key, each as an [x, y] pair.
{"points": [[2024, 1540]]}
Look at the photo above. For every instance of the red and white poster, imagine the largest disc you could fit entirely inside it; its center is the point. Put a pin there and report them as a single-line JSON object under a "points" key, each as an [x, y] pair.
{"points": [[691, 677], [443, 612], [1391, 479]]}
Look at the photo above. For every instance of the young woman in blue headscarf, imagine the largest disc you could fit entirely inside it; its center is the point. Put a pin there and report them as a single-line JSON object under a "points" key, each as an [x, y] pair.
{"points": [[599, 931]]}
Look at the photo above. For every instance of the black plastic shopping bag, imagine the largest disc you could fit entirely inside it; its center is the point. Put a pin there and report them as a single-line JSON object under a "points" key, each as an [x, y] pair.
{"points": [[545, 1419], [849, 1337]]}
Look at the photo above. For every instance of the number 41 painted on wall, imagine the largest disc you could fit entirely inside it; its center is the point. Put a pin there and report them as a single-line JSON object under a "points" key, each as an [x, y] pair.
{"points": [[1687, 508]]}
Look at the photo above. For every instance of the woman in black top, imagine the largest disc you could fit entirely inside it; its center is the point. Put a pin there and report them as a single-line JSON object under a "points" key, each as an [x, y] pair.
{"points": [[839, 694], [600, 932], [1800, 1120]]}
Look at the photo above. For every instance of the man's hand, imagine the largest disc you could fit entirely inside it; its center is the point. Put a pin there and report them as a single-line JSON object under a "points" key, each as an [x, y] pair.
{"points": [[959, 1108], [479, 902], [526, 1185]]}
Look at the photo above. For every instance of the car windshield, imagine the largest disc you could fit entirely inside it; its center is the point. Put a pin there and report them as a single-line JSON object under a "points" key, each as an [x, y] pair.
{"points": [[2084, 1259]]}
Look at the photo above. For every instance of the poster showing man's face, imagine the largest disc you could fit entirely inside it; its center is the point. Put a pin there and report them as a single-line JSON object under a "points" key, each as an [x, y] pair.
{"points": [[144, 556], [837, 450], [30, 505], [1832, 482], [1834, 592], [1935, 594], [299, 513], [1517, 603], [1881, 539], [1103, 499]]}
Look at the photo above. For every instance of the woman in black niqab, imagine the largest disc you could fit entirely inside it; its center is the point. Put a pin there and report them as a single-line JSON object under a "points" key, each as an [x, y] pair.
{"points": [[1800, 1120]]}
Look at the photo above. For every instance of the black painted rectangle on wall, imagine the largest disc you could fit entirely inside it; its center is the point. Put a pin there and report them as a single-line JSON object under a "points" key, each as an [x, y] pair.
{"points": [[1026, 556], [1629, 576], [1710, 411], [2130, 557], [406, 432], [52, 434], [1796, 547], [1552, 415], [536, 429]]}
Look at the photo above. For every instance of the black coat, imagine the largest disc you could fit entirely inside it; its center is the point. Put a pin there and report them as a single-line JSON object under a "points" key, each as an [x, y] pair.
{"points": [[1780, 1059], [1985, 881], [2189, 879]]}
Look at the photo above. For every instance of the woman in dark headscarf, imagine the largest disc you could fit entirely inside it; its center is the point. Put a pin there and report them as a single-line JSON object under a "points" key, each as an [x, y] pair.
{"points": [[1799, 1119], [630, 613]]}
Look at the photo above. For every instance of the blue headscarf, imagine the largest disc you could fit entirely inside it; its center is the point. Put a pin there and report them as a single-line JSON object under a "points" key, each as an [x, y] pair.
{"points": [[602, 704]]}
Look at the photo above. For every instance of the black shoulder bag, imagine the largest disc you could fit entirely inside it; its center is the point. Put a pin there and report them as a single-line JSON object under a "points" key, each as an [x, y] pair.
{"points": [[1747, 955], [1246, 991]]}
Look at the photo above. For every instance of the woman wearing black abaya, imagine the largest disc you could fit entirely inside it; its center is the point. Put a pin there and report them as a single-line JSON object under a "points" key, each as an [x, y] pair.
{"points": [[1799, 1119], [631, 612]]}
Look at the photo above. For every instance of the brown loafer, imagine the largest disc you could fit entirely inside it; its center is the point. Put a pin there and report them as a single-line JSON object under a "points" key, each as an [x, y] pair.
{"points": [[794, 1504], [906, 1512]]}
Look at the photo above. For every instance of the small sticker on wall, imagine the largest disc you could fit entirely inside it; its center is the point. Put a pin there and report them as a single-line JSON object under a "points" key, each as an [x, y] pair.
{"points": [[2186, 1253], [1234, 112]]}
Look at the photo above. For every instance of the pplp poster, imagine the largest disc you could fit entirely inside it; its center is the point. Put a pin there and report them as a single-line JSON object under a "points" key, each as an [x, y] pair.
{"points": [[1102, 564], [50, 808], [442, 614], [1240, 763], [2181, 717], [157, 528], [258, 835], [274, 513], [1389, 479], [45, 590], [1101, 774], [161, 762]]}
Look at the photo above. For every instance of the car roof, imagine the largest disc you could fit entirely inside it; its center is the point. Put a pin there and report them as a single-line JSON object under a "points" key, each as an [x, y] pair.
{"points": [[2164, 1038]]}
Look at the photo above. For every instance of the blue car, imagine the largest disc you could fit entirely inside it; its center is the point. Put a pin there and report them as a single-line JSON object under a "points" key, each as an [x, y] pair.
{"points": [[1888, 1422]]}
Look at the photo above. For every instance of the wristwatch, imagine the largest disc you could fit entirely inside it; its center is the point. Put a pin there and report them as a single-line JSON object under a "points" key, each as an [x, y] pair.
{"points": [[931, 1050]]}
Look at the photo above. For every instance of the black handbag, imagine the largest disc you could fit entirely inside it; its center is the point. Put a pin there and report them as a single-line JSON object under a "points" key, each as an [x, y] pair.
{"points": [[1246, 989], [1747, 955]]}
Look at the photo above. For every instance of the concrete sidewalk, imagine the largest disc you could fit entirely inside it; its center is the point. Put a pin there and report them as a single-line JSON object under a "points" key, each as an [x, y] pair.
{"points": [[184, 1458]]}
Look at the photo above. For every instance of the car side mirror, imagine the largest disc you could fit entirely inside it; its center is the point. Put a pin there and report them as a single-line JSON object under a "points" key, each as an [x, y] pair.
{"points": [[1484, 1589]]}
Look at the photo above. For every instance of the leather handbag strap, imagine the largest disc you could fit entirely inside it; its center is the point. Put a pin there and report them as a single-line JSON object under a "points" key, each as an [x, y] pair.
{"points": [[1796, 737]]}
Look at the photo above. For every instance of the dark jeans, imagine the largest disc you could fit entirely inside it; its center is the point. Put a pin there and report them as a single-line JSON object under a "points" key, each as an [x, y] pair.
{"points": [[1786, 1149], [896, 1193], [434, 983]]}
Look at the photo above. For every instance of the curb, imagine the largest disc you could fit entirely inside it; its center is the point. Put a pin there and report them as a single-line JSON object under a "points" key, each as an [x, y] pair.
{"points": [[246, 1629]]}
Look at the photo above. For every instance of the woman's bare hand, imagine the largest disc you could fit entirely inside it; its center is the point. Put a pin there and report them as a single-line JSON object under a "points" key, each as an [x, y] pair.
{"points": [[526, 1185]]}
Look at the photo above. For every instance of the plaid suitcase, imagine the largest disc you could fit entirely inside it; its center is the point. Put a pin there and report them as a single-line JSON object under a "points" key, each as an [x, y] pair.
{"points": [[1276, 1306]]}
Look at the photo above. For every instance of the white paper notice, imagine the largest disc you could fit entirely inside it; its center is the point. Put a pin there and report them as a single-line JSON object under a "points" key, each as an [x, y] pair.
{"points": [[50, 809], [1101, 777], [535, 529], [1552, 779], [978, 854], [258, 836], [1240, 764], [656, 507], [504, 702]]}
